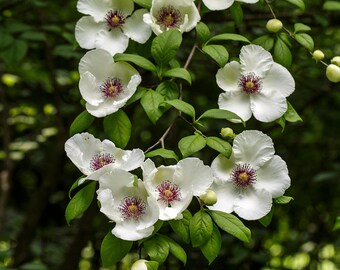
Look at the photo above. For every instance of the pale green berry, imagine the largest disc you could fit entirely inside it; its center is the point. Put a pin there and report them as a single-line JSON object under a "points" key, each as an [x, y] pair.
{"points": [[139, 265], [333, 73], [318, 55], [274, 25], [227, 133], [336, 60], [209, 198]]}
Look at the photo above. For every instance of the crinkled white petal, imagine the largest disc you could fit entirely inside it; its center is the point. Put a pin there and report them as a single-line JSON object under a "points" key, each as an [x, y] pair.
{"points": [[253, 147], [126, 6], [255, 59], [176, 208], [273, 177], [149, 169], [124, 72], [107, 204], [267, 108], [128, 159], [89, 89], [278, 79], [218, 4], [135, 28], [95, 175], [228, 77], [96, 8], [236, 102], [128, 232], [113, 41], [222, 168], [226, 196], [86, 32], [191, 18], [253, 204], [149, 20], [248, 1]]}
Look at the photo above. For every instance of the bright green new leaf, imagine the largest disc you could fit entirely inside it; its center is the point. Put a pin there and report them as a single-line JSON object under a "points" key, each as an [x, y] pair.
{"points": [[113, 249], [144, 3], [299, 3], [180, 73], [337, 224], [201, 228], [283, 200], [80, 202], [157, 248], [231, 224], [203, 32], [118, 127], [267, 219], [182, 106], [82, 122], [282, 54], [152, 265], [237, 13], [175, 249], [212, 247], [220, 114], [191, 144], [218, 53], [164, 47], [331, 5], [151, 104], [219, 145], [291, 115], [227, 37], [75, 186], [164, 153], [137, 95], [181, 226], [300, 27], [305, 40], [265, 41], [135, 59]]}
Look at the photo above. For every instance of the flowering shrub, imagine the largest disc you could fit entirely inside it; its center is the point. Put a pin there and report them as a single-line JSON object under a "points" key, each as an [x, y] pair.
{"points": [[141, 198]]}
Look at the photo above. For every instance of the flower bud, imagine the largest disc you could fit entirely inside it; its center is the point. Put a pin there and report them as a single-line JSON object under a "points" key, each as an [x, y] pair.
{"points": [[209, 198], [139, 265], [227, 133], [318, 55], [336, 60], [333, 73], [274, 25]]}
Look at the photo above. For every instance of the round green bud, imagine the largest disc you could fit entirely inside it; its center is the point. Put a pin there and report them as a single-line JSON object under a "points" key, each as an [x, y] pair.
{"points": [[318, 55], [209, 198], [274, 25], [333, 73], [139, 265], [227, 133], [336, 60]]}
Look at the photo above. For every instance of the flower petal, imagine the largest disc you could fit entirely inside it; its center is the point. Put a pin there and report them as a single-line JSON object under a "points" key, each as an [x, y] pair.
{"points": [[253, 147], [98, 62], [107, 204], [126, 6], [89, 89], [192, 14], [222, 168], [149, 20], [226, 196], [236, 102], [86, 32], [248, 1], [218, 4], [124, 72], [128, 232], [255, 59], [113, 41], [97, 9], [228, 77], [135, 28], [273, 177], [128, 159]]}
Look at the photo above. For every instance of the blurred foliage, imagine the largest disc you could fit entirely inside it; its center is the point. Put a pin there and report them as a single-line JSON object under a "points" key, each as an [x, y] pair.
{"points": [[40, 99]]}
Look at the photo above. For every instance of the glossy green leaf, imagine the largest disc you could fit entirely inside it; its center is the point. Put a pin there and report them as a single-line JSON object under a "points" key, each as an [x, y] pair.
{"points": [[305, 40], [137, 60], [218, 53], [220, 114], [151, 104], [291, 115], [266, 41], [331, 5], [152, 265], [118, 128], [164, 153], [80, 202], [237, 13], [228, 37], [212, 247], [75, 186], [219, 145], [176, 250], [203, 32], [299, 3], [157, 248], [283, 200], [231, 224], [182, 106], [266, 220], [181, 226], [137, 95], [201, 228], [113, 249], [82, 122], [300, 27], [144, 3], [191, 144], [168, 89], [14, 53], [282, 54], [180, 73]]}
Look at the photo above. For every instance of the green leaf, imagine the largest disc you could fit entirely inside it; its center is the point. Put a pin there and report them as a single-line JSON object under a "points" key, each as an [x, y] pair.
{"points": [[305, 40], [15, 53], [151, 104], [182, 106], [300, 27], [227, 37], [181, 226], [219, 145], [181, 73], [164, 47], [282, 54], [137, 60], [231, 224], [203, 32], [5, 41], [144, 3], [33, 36], [168, 89], [191, 144], [220, 114], [118, 127], [337, 224], [282, 122], [212, 247], [157, 248], [137, 95], [331, 5], [82, 122], [266, 41], [283, 200], [176, 250], [237, 13], [164, 153], [218, 53], [113, 249], [291, 115], [201, 228], [80, 202], [299, 3], [266, 220], [75, 185], [152, 265]]}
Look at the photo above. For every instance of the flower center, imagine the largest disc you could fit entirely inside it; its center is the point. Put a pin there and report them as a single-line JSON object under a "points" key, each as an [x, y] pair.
{"points": [[100, 160], [132, 207], [169, 17], [168, 192], [114, 19], [250, 83], [243, 175], [111, 88]]}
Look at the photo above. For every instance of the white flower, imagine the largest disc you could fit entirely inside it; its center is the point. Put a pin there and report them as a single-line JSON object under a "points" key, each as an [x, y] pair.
{"points": [[94, 157], [110, 25], [248, 181], [257, 85], [105, 85], [174, 186], [125, 201], [224, 4], [165, 14]]}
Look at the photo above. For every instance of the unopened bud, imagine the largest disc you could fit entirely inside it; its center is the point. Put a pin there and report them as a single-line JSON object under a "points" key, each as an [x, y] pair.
{"points": [[333, 73], [274, 25], [209, 198], [139, 265], [318, 55], [336, 60], [227, 133]]}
